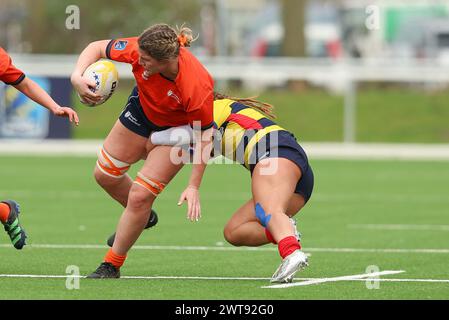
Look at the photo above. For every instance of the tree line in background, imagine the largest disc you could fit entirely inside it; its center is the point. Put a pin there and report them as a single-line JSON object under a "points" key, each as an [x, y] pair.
{"points": [[43, 22]]}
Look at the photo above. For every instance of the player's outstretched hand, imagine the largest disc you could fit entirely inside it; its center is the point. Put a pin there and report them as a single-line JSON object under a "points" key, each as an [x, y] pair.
{"points": [[192, 195], [67, 113]]}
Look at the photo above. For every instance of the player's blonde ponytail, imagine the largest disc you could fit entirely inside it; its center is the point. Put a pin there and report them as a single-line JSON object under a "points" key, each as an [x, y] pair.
{"points": [[162, 42], [265, 108], [185, 36]]}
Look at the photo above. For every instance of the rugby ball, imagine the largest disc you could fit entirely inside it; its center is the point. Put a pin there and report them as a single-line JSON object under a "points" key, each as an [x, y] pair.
{"points": [[105, 75]]}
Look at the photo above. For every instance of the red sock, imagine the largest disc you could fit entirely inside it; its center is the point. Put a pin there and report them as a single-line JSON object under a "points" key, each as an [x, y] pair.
{"points": [[116, 260], [288, 245], [4, 212], [270, 236]]}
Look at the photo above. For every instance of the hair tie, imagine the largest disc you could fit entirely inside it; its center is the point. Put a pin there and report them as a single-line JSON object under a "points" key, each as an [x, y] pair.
{"points": [[182, 39]]}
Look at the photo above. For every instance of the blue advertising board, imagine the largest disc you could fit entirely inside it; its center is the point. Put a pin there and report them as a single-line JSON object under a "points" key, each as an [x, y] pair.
{"points": [[20, 117]]}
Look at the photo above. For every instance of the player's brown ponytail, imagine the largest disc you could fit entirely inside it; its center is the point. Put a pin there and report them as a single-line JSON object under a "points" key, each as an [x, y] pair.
{"points": [[266, 108]]}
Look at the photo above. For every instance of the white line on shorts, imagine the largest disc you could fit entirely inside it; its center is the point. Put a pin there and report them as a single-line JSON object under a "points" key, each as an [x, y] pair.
{"points": [[334, 279]]}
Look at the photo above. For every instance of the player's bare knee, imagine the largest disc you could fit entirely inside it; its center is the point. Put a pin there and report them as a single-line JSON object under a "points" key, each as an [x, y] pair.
{"points": [[139, 198], [103, 180], [230, 237], [144, 190], [227, 235]]}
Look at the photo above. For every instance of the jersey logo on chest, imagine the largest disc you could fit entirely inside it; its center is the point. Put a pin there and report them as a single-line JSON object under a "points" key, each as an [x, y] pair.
{"points": [[171, 94]]}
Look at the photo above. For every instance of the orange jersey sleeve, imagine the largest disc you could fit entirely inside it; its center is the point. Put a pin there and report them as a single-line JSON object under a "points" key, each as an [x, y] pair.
{"points": [[197, 90], [123, 50], [8, 73]]}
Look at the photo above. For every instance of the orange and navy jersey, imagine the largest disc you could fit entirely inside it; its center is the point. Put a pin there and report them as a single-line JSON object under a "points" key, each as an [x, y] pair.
{"points": [[165, 103], [8, 73], [241, 129]]}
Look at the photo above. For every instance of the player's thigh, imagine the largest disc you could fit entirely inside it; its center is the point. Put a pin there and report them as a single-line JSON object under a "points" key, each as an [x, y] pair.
{"points": [[125, 145], [160, 164], [275, 190], [296, 203], [244, 214]]}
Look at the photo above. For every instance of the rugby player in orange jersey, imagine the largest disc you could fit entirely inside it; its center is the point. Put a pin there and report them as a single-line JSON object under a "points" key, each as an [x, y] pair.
{"points": [[9, 74], [173, 89]]}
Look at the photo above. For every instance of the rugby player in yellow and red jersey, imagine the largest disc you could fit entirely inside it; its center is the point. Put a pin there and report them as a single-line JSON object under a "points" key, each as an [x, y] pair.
{"points": [[9, 74], [282, 179], [172, 89]]}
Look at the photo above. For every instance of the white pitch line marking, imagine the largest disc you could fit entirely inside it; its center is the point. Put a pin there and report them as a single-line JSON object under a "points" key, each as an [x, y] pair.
{"points": [[36, 276], [407, 280], [225, 248], [144, 247], [361, 250], [134, 277], [420, 227], [334, 279], [44, 276]]}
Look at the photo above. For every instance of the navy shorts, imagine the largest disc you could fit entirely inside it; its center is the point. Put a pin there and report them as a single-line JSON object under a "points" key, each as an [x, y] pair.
{"points": [[133, 117], [287, 147]]}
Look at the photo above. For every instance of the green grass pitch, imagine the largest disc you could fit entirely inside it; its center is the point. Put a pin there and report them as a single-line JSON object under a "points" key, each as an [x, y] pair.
{"points": [[62, 205]]}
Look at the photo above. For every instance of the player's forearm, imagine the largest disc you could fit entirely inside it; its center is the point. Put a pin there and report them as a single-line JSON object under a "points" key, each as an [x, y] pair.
{"points": [[201, 156], [33, 91], [197, 175], [92, 53]]}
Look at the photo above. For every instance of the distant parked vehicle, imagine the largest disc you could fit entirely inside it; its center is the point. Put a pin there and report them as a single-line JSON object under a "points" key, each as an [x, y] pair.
{"points": [[423, 38]]}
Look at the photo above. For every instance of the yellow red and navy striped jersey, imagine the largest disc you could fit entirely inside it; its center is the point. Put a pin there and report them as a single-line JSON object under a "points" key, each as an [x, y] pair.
{"points": [[8, 73], [241, 128]]}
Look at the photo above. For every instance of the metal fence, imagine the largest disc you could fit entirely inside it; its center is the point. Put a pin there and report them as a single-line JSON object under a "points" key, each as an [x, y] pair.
{"points": [[342, 75]]}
